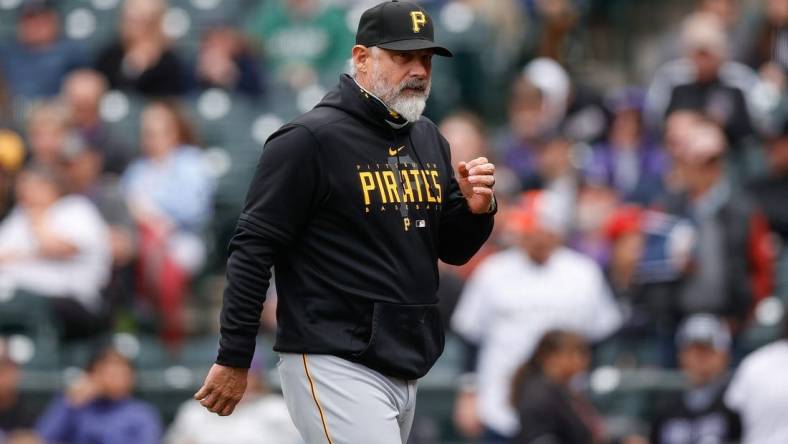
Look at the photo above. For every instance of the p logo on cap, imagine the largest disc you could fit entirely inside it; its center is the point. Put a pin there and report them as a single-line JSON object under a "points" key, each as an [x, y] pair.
{"points": [[419, 20]]}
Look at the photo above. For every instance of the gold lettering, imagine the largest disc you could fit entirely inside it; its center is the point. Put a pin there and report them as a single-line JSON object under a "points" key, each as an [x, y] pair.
{"points": [[415, 174], [407, 192], [437, 185], [427, 187], [391, 186], [380, 187], [406, 222], [419, 20], [367, 185]]}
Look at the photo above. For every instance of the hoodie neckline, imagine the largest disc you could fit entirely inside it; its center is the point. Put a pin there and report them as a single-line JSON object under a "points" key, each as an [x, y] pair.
{"points": [[352, 98]]}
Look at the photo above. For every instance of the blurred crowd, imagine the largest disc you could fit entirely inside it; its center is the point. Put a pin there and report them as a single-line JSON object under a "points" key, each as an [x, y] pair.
{"points": [[642, 205]]}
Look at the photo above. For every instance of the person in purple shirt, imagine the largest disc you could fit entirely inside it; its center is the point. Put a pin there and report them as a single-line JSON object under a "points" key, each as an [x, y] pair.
{"points": [[628, 161], [99, 409]]}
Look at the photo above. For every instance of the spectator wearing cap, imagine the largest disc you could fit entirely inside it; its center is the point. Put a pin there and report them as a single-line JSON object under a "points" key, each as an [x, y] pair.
{"points": [[82, 93], [698, 414], [732, 265], [98, 408], [758, 392], [16, 413], [706, 81], [628, 161], [261, 415], [512, 299], [35, 62], [539, 98], [141, 60], [55, 245], [226, 61]]}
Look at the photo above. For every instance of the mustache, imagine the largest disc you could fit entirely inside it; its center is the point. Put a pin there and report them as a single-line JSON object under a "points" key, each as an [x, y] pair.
{"points": [[414, 84]]}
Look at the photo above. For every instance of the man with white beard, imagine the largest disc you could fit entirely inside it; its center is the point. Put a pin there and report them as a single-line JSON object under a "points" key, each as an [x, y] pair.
{"points": [[353, 203]]}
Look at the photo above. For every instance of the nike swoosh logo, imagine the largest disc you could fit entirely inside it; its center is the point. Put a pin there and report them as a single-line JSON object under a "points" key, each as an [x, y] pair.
{"points": [[394, 151]]}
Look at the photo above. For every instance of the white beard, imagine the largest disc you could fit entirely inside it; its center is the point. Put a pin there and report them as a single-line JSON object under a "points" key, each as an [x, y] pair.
{"points": [[408, 105]]}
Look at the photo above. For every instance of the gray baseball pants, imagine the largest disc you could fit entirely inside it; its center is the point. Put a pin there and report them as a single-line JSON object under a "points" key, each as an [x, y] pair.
{"points": [[335, 401]]}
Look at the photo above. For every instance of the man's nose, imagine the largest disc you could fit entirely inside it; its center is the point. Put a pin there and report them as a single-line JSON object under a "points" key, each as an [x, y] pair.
{"points": [[419, 70]]}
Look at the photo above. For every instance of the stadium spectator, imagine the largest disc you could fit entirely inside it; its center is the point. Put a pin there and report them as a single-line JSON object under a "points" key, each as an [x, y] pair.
{"points": [[539, 100], [260, 416], [770, 191], [83, 169], [698, 414], [595, 203], [527, 124], [169, 192], [732, 267], [56, 246], [549, 409], [628, 160], [553, 32], [99, 409], [759, 393], [678, 128], [82, 93], [727, 12], [225, 60], [706, 81], [34, 64], [16, 413], [141, 60], [47, 131], [644, 275], [304, 41], [512, 299]]}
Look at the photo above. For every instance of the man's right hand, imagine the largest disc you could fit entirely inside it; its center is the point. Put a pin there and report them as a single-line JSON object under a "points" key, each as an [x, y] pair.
{"points": [[223, 389]]}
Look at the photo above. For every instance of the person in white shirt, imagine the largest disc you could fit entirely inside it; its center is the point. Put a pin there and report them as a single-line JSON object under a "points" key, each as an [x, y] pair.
{"points": [[759, 393], [516, 296], [260, 418], [55, 246]]}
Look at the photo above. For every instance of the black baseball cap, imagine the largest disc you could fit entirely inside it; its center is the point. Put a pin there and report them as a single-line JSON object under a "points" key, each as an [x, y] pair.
{"points": [[399, 26]]}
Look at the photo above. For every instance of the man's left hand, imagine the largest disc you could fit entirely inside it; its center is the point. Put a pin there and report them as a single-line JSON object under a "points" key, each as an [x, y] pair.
{"points": [[476, 179]]}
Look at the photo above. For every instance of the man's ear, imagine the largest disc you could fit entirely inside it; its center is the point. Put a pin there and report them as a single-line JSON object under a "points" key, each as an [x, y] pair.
{"points": [[361, 55]]}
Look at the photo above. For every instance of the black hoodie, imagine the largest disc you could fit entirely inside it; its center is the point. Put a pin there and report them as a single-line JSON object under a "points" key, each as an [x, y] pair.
{"points": [[353, 206]]}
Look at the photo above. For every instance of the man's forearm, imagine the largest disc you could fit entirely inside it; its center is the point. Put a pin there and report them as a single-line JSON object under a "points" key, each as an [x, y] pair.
{"points": [[248, 275]]}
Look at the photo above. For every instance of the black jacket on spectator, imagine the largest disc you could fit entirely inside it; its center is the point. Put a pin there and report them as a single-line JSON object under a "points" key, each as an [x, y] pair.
{"points": [[746, 266], [678, 422], [724, 104], [353, 206], [547, 414], [165, 78]]}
